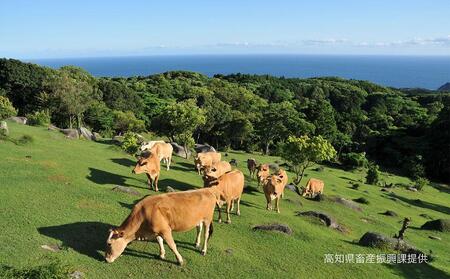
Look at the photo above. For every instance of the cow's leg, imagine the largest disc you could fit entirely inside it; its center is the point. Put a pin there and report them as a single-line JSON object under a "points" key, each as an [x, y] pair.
{"points": [[169, 160], [238, 210], [149, 181], [169, 239], [206, 236], [232, 205], [277, 204], [162, 252], [155, 181], [199, 232], [229, 203], [220, 213], [269, 202]]}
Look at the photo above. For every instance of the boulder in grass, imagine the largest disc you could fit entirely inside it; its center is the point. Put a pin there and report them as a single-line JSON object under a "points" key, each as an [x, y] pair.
{"points": [[170, 189], [4, 128], [18, 119], [348, 203], [70, 133], [85, 133], [179, 150], [390, 213], [52, 127], [199, 148], [361, 200], [97, 136], [442, 225], [274, 227], [126, 190], [323, 217], [377, 240]]}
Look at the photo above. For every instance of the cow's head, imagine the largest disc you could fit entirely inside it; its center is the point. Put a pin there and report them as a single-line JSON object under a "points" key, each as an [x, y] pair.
{"points": [[142, 164], [115, 245], [304, 191], [211, 172], [263, 170]]}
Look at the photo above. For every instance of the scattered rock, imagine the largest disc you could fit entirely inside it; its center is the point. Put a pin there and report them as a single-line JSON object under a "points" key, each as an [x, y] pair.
{"points": [[274, 227], [426, 216], [323, 217], [372, 239], [434, 237], [18, 119], [126, 190], [52, 127], [229, 251], [4, 128], [70, 133], [97, 136], [348, 203], [169, 189], [361, 200], [390, 213], [51, 247], [85, 133], [386, 190], [199, 148], [413, 189], [76, 275], [442, 225], [179, 150], [291, 187]]}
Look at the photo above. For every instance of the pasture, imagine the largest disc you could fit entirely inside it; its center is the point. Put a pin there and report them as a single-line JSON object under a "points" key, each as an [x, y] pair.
{"points": [[59, 191]]}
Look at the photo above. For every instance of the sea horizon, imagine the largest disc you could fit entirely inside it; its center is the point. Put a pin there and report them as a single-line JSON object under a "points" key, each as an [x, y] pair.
{"points": [[400, 71]]}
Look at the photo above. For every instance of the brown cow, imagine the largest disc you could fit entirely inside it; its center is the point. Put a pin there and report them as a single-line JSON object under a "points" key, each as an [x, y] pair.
{"points": [[217, 169], [284, 177], [263, 173], [151, 167], [251, 165], [160, 215], [230, 186], [163, 151], [273, 187], [313, 187], [206, 159]]}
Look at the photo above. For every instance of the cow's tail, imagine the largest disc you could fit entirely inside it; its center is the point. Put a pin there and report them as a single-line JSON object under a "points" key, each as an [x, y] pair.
{"points": [[211, 230]]}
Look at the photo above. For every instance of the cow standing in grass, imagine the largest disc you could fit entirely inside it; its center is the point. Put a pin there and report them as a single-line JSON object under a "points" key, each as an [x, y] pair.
{"points": [[206, 159], [251, 165], [273, 187], [263, 173], [150, 165], [160, 215], [313, 187], [163, 151]]}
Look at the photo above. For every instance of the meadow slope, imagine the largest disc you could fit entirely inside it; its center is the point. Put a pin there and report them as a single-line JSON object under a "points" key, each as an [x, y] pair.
{"points": [[58, 191]]}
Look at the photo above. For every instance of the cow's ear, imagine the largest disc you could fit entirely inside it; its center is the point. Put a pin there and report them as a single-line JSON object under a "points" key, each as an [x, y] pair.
{"points": [[120, 234]]}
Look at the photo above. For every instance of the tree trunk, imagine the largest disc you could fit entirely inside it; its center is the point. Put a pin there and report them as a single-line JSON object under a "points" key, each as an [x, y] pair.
{"points": [[266, 151], [186, 151], [298, 179]]}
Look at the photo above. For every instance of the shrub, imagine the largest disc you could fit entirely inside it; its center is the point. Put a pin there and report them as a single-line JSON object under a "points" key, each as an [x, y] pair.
{"points": [[413, 167], [420, 182], [373, 174], [6, 108], [130, 143], [38, 118], [25, 139], [127, 122], [354, 160]]}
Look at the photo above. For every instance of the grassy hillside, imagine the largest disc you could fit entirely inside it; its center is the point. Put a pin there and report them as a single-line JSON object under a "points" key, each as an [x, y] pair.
{"points": [[58, 191]]}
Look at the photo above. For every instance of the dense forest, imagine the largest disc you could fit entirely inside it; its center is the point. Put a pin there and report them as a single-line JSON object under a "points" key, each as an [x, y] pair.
{"points": [[407, 131]]}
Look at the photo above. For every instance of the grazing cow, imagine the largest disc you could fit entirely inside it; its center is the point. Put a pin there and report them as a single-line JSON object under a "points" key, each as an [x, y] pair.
{"points": [[281, 173], [206, 159], [163, 151], [273, 187], [160, 215], [147, 145], [313, 187], [230, 186], [263, 173], [217, 169], [151, 167], [251, 165]]}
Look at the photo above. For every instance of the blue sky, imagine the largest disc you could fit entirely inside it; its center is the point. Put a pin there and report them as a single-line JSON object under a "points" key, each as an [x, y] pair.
{"points": [[79, 28]]}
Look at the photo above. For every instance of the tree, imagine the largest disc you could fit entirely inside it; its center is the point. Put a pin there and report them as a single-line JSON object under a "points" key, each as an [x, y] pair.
{"points": [[303, 152], [6, 108], [183, 119], [127, 122], [373, 174]]}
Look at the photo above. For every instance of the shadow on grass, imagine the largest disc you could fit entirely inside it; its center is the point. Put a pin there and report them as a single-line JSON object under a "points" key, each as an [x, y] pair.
{"points": [[141, 254], [251, 190], [441, 187], [124, 162], [104, 177], [87, 238], [177, 185], [423, 204], [417, 271]]}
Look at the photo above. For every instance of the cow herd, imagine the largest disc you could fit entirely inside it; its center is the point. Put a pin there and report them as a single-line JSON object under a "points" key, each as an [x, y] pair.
{"points": [[157, 216]]}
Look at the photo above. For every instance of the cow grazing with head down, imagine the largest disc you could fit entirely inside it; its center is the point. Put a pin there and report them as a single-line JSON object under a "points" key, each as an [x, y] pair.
{"points": [[313, 187], [230, 187], [263, 173], [206, 159], [156, 217], [149, 164], [273, 187], [251, 165]]}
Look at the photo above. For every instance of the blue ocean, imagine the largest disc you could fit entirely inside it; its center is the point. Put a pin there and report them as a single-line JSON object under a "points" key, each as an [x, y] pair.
{"points": [[397, 71]]}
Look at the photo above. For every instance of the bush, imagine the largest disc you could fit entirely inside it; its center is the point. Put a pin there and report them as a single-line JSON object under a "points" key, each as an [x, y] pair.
{"points": [[6, 108], [100, 118], [373, 174], [354, 160], [420, 182], [38, 118], [127, 122], [130, 143], [413, 167]]}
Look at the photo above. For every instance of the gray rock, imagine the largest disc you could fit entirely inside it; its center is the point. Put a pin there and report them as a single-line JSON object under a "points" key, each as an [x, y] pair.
{"points": [[274, 227], [169, 189], [377, 240], [51, 247], [390, 213], [291, 187], [434, 237], [76, 275], [97, 136], [348, 203], [199, 148], [442, 225], [229, 251], [179, 150], [70, 133], [85, 133], [52, 127], [413, 189], [323, 217], [126, 190], [19, 119], [4, 128]]}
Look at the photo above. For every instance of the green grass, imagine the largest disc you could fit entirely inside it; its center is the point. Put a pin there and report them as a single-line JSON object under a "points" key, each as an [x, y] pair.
{"points": [[58, 191]]}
